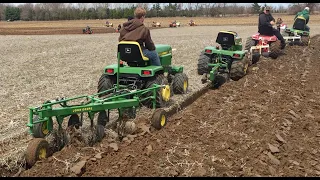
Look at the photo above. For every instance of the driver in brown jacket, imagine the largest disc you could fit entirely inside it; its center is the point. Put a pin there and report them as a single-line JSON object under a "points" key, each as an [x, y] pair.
{"points": [[134, 30]]}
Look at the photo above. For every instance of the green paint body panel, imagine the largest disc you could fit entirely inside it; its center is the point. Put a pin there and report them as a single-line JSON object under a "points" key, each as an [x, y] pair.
{"points": [[165, 53], [225, 52], [300, 32]]}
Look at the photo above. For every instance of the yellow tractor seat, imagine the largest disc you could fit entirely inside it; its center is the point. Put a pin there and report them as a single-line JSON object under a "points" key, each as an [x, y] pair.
{"points": [[131, 52]]}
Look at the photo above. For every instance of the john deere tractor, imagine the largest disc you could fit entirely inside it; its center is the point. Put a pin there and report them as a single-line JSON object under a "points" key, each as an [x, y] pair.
{"points": [[136, 72], [297, 34], [226, 60]]}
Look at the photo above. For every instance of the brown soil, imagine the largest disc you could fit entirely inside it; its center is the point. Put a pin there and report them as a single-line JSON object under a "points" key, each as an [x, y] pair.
{"points": [[266, 124]]}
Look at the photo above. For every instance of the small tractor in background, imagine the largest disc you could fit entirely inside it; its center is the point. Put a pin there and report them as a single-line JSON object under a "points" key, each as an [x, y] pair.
{"points": [[156, 24], [297, 35], [192, 23], [87, 30], [109, 24], [226, 60], [174, 24], [268, 46]]}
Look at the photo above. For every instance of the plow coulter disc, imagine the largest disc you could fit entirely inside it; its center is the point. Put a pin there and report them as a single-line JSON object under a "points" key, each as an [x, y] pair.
{"points": [[103, 119], [74, 121], [37, 149]]}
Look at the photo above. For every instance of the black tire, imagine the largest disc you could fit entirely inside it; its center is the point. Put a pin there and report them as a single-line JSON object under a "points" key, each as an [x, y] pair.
{"points": [[37, 149], [40, 130], [239, 68], [203, 62], [180, 83], [100, 132], [159, 119], [104, 84], [74, 120], [275, 49], [249, 43], [220, 79], [305, 40], [255, 57], [102, 118], [159, 79]]}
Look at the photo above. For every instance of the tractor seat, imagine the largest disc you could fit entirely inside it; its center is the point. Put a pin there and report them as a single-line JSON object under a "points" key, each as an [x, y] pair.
{"points": [[226, 39], [131, 52], [299, 23]]}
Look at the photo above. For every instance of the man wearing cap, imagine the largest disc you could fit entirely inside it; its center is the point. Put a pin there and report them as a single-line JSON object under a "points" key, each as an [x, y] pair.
{"points": [[266, 21], [305, 14], [135, 30]]}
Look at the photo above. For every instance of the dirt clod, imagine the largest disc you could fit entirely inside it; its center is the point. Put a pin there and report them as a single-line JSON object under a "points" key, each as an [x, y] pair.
{"points": [[77, 169], [273, 148]]}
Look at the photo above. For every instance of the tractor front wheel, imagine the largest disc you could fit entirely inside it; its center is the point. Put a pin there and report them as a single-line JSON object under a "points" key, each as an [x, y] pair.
{"points": [[180, 83], [239, 68], [275, 49], [163, 94], [104, 84], [38, 149], [203, 62], [159, 119]]}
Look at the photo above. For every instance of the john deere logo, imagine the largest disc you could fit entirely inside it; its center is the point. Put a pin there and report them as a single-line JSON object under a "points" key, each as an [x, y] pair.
{"points": [[225, 38], [128, 50]]}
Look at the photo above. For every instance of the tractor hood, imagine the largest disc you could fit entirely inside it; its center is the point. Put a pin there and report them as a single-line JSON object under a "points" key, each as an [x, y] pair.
{"points": [[160, 48]]}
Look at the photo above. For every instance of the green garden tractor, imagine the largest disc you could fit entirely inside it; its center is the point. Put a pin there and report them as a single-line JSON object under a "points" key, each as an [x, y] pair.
{"points": [[297, 34], [137, 83], [226, 60], [138, 73]]}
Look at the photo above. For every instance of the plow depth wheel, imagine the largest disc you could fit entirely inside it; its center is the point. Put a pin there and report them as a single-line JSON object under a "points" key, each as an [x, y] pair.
{"points": [[275, 49], [180, 83], [40, 130], [37, 149], [159, 119]]}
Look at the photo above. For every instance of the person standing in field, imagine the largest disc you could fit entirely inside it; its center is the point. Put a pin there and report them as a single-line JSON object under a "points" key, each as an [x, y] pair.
{"points": [[135, 30]]}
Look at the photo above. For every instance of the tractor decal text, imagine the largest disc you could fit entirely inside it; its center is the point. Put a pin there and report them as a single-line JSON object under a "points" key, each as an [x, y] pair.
{"points": [[82, 109]]}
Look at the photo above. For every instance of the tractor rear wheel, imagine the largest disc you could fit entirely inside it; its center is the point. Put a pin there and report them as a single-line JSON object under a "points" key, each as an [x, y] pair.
{"points": [[180, 83], [239, 68], [275, 49], [249, 43], [159, 119], [37, 149], [104, 84], [162, 95], [305, 40], [203, 62]]}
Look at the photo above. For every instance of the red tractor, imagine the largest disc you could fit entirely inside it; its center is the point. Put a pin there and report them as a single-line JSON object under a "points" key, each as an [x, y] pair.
{"points": [[258, 45]]}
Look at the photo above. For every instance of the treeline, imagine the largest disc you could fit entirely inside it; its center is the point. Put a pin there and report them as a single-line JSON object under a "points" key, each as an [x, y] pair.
{"points": [[72, 11]]}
